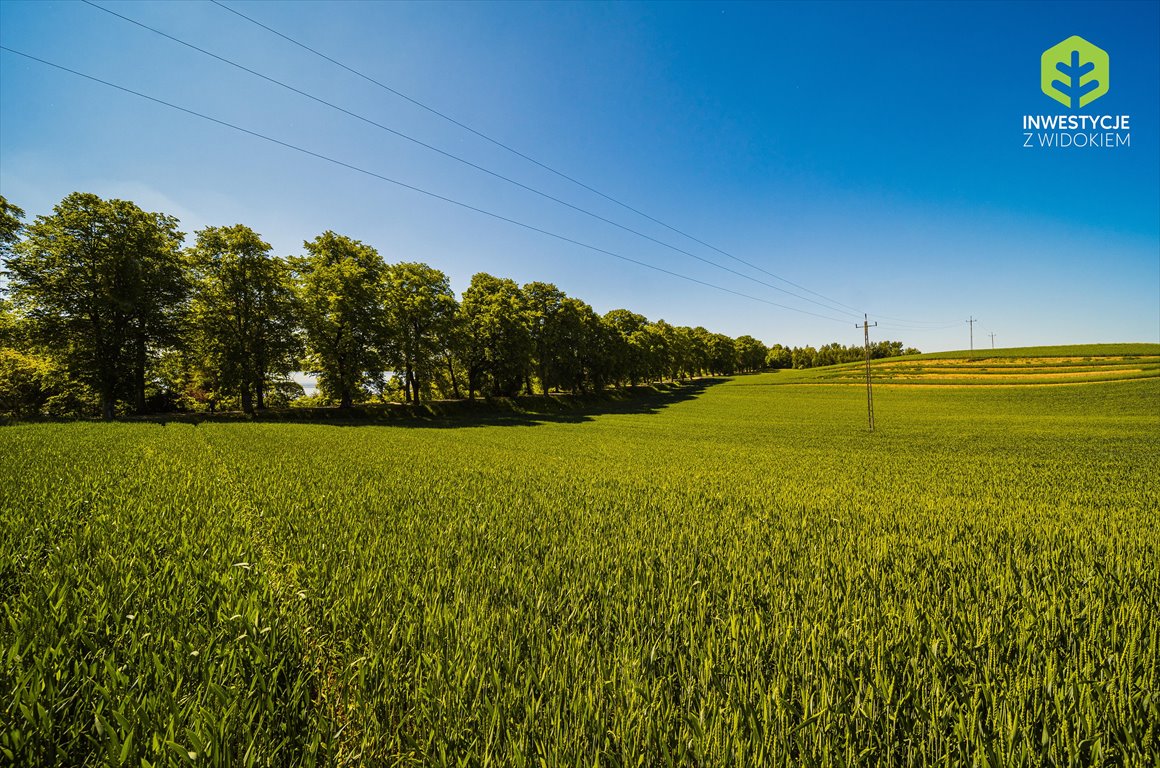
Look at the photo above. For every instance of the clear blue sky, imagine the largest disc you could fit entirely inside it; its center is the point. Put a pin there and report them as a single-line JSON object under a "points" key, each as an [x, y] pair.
{"points": [[869, 152]]}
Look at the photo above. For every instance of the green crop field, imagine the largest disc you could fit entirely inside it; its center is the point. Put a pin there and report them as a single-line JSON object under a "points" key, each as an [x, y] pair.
{"points": [[729, 573], [1084, 363]]}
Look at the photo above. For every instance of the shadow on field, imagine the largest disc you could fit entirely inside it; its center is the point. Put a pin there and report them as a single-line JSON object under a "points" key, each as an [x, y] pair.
{"points": [[524, 411]]}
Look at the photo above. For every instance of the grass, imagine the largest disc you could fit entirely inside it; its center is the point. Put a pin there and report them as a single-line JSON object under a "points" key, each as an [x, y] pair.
{"points": [[739, 575]]}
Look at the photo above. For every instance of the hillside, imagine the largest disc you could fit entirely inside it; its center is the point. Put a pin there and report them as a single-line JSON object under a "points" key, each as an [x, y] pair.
{"points": [[1076, 364]]}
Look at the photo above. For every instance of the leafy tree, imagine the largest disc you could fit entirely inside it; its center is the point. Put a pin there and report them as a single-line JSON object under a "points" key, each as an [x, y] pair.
{"points": [[160, 295], [340, 290], [750, 353], [243, 312], [421, 311], [581, 362], [498, 349], [655, 351], [33, 384], [885, 349], [23, 383], [10, 226], [722, 354], [9, 325], [779, 357], [629, 348], [544, 303], [451, 355], [671, 348], [830, 354], [101, 282], [804, 357], [699, 350]]}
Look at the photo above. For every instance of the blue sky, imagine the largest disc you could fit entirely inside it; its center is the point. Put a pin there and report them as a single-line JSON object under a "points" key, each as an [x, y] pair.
{"points": [[871, 153]]}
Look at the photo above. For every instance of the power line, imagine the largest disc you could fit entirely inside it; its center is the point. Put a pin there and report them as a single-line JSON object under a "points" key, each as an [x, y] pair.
{"points": [[413, 188], [941, 323], [918, 328], [457, 158], [849, 309]]}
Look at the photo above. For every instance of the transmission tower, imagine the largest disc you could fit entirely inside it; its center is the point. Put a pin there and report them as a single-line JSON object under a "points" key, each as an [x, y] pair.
{"points": [[866, 325]]}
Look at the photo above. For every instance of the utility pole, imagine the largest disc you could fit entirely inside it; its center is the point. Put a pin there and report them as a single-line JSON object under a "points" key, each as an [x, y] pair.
{"points": [[992, 340], [972, 322], [866, 326]]}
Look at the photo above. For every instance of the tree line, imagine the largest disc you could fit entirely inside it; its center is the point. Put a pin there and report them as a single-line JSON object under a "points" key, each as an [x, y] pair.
{"points": [[103, 309], [831, 354]]}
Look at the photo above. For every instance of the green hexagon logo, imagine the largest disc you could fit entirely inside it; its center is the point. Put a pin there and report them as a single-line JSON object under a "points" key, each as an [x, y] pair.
{"points": [[1074, 72]]}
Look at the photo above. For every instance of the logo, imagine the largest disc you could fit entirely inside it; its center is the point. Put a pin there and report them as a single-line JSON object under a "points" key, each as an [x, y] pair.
{"points": [[1074, 72]]}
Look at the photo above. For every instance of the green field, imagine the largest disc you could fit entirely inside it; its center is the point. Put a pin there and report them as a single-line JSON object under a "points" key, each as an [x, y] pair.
{"points": [[1078, 364], [730, 573]]}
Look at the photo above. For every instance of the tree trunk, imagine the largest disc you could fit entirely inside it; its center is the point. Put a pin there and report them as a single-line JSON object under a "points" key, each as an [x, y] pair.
{"points": [[139, 371], [108, 401], [454, 381], [247, 398], [346, 399], [260, 384]]}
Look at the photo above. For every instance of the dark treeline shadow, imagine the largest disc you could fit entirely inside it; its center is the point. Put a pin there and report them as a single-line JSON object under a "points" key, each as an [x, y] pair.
{"points": [[523, 411]]}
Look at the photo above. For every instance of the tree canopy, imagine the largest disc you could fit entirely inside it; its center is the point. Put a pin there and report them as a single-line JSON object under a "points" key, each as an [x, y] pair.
{"points": [[102, 285], [101, 309], [243, 314]]}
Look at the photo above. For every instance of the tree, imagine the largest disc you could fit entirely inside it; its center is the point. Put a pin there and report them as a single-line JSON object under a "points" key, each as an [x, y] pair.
{"points": [[498, 346], [101, 283], [670, 350], [699, 350], [340, 293], [750, 353], [581, 345], [10, 226], [544, 303], [242, 312], [886, 349], [627, 351], [804, 357], [779, 357], [722, 354], [420, 312]]}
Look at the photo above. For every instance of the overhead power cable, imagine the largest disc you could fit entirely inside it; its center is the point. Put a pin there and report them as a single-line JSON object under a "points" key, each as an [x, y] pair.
{"points": [[458, 158], [913, 328], [917, 325], [923, 324], [507, 147], [413, 188]]}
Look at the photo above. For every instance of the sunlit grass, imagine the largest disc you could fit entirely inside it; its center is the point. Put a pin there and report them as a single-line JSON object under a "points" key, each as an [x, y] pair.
{"points": [[746, 577]]}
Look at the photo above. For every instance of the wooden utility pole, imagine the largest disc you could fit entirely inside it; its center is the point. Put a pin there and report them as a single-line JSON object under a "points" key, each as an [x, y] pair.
{"points": [[972, 322], [866, 326]]}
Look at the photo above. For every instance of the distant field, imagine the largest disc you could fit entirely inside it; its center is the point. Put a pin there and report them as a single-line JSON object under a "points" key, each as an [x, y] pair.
{"points": [[735, 573], [1077, 364]]}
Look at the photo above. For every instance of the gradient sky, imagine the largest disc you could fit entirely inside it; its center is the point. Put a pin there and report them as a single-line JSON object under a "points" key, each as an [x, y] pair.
{"points": [[869, 152]]}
